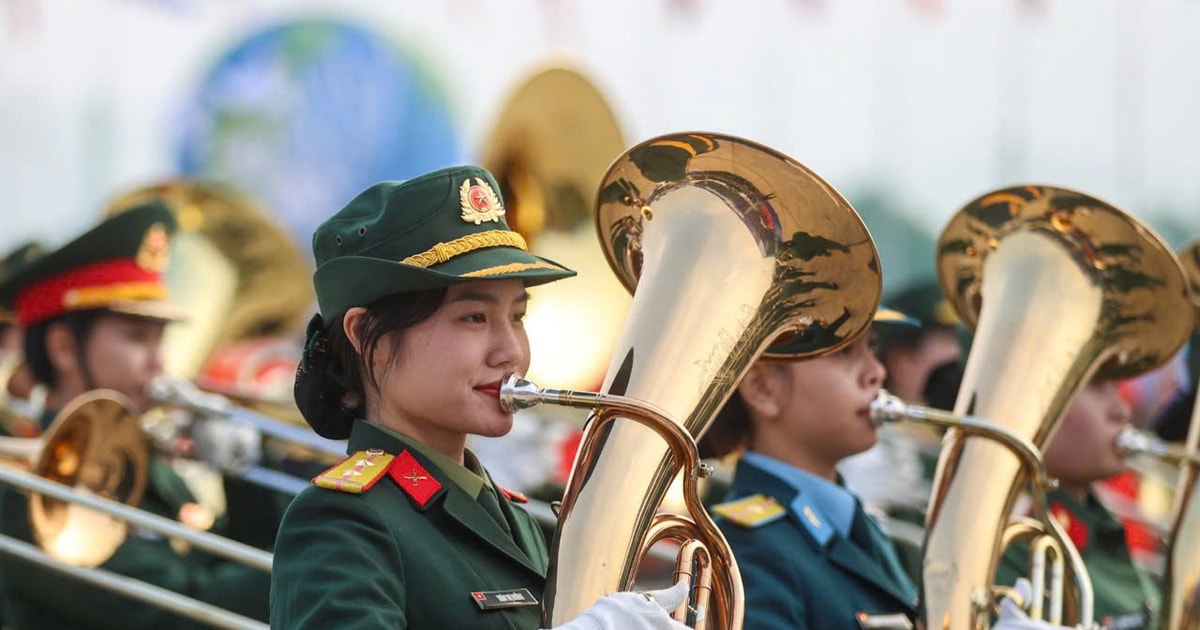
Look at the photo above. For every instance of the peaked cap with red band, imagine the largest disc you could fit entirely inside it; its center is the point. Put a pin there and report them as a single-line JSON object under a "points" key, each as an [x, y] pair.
{"points": [[13, 263], [117, 266]]}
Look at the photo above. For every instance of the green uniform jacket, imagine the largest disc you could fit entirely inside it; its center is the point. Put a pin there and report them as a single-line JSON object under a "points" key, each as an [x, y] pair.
{"points": [[396, 558], [798, 572], [1125, 598]]}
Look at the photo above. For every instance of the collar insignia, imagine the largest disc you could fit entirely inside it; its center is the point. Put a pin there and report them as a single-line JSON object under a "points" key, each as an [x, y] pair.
{"points": [[413, 479]]}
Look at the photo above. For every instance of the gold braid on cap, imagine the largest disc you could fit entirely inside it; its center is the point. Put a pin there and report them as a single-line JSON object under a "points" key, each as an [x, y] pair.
{"points": [[441, 252], [509, 268]]}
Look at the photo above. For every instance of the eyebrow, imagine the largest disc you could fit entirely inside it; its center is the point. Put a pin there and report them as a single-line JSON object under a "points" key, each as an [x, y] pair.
{"points": [[482, 296]]}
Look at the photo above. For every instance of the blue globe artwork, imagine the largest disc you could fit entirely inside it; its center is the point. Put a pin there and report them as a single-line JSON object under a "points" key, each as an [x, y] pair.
{"points": [[306, 114]]}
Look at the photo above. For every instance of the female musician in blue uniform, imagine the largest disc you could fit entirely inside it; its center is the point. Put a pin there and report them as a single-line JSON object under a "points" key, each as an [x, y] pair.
{"points": [[809, 554]]}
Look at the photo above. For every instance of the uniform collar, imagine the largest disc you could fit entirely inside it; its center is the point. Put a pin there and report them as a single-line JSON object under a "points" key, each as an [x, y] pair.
{"points": [[1085, 521], [469, 477], [752, 478], [825, 497], [451, 499]]}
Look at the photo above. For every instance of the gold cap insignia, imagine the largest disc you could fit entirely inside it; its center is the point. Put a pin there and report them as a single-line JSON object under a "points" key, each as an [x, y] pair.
{"points": [[154, 251], [945, 314], [479, 202]]}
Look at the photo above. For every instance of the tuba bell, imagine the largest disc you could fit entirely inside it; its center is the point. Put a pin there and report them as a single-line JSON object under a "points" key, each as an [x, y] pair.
{"points": [[1181, 592], [725, 245], [234, 271], [1059, 286], [547, 148]]}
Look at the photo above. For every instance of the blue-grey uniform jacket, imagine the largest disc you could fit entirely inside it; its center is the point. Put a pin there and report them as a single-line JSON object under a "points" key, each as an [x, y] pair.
{"points": [[799, 569]]}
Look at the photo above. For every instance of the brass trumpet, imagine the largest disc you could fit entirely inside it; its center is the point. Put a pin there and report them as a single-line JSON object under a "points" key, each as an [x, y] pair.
{"points": [[83, 479], [96, 447]]}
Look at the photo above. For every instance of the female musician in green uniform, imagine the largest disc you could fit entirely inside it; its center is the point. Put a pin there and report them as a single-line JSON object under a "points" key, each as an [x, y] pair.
{"points": [[422, 291], [93, 314], [1082, 451]]}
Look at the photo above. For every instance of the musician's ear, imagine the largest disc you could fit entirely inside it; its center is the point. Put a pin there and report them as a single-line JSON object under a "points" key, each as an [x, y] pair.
{"points": [[762, 389]]}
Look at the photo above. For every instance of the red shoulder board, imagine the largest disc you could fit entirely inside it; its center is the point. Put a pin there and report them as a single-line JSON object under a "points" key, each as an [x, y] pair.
{"points": [[1075, 528], [355, 474], [512, 495], [413, 479]]}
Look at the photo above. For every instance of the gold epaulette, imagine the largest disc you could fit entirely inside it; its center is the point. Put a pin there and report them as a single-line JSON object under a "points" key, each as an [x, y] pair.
{"points": [[752, 511], [357, 473]]}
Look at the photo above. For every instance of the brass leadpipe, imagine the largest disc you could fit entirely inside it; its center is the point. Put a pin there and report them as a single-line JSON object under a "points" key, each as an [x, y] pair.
{"points": [[1045, 539], [701, 542], [1132, 441]]}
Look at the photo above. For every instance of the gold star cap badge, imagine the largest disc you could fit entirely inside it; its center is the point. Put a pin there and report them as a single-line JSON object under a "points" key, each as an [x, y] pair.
{"points": [[479, 202]]}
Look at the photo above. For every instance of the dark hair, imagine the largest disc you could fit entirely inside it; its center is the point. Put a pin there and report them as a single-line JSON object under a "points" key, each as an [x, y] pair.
{"points": [[729, 431], [394, 313], [80, 323], [332, 382]]}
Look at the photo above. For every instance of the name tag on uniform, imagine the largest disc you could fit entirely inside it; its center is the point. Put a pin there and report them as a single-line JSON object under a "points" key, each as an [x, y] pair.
{"points": [[494, 600], [1127, 621], [895, 621]]}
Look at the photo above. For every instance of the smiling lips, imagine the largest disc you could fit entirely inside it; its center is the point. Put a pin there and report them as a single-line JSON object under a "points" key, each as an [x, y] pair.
{"points": [[490, 389]]}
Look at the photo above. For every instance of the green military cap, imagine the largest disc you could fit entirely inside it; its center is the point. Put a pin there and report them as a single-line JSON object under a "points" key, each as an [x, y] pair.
{"points": [[924, 301], [443, 228], [117, 265], [14, 262]]}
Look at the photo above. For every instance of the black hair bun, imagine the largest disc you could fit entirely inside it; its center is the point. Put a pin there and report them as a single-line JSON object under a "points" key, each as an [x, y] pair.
{"points": [[318, 397]]}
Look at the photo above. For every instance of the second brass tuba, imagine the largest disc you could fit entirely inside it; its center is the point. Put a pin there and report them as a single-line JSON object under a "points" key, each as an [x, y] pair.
{"points": [[725, 244], [233, 270], [1059, 286], [1181, 592]]}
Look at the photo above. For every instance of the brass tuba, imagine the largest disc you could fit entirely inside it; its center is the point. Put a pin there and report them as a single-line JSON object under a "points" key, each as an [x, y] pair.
{"points": [[1059, 286], [548, 148], [726, 245], [1181, 593], [233, 270]]}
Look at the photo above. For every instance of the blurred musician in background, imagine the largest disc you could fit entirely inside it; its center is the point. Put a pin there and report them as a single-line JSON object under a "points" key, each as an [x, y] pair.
{"points": [[1175, 418], [1081, 452], [94, 312], [16, 381], [914, 354], [924, 366]]}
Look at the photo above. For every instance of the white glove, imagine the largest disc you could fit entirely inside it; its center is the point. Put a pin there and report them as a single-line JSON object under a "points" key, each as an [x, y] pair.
{"points": [[1013, 618], [632, 611], [231, 447]]}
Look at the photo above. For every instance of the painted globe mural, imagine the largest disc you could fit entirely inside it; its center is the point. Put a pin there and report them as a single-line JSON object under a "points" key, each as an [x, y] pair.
{"points": [[306, 114]]}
